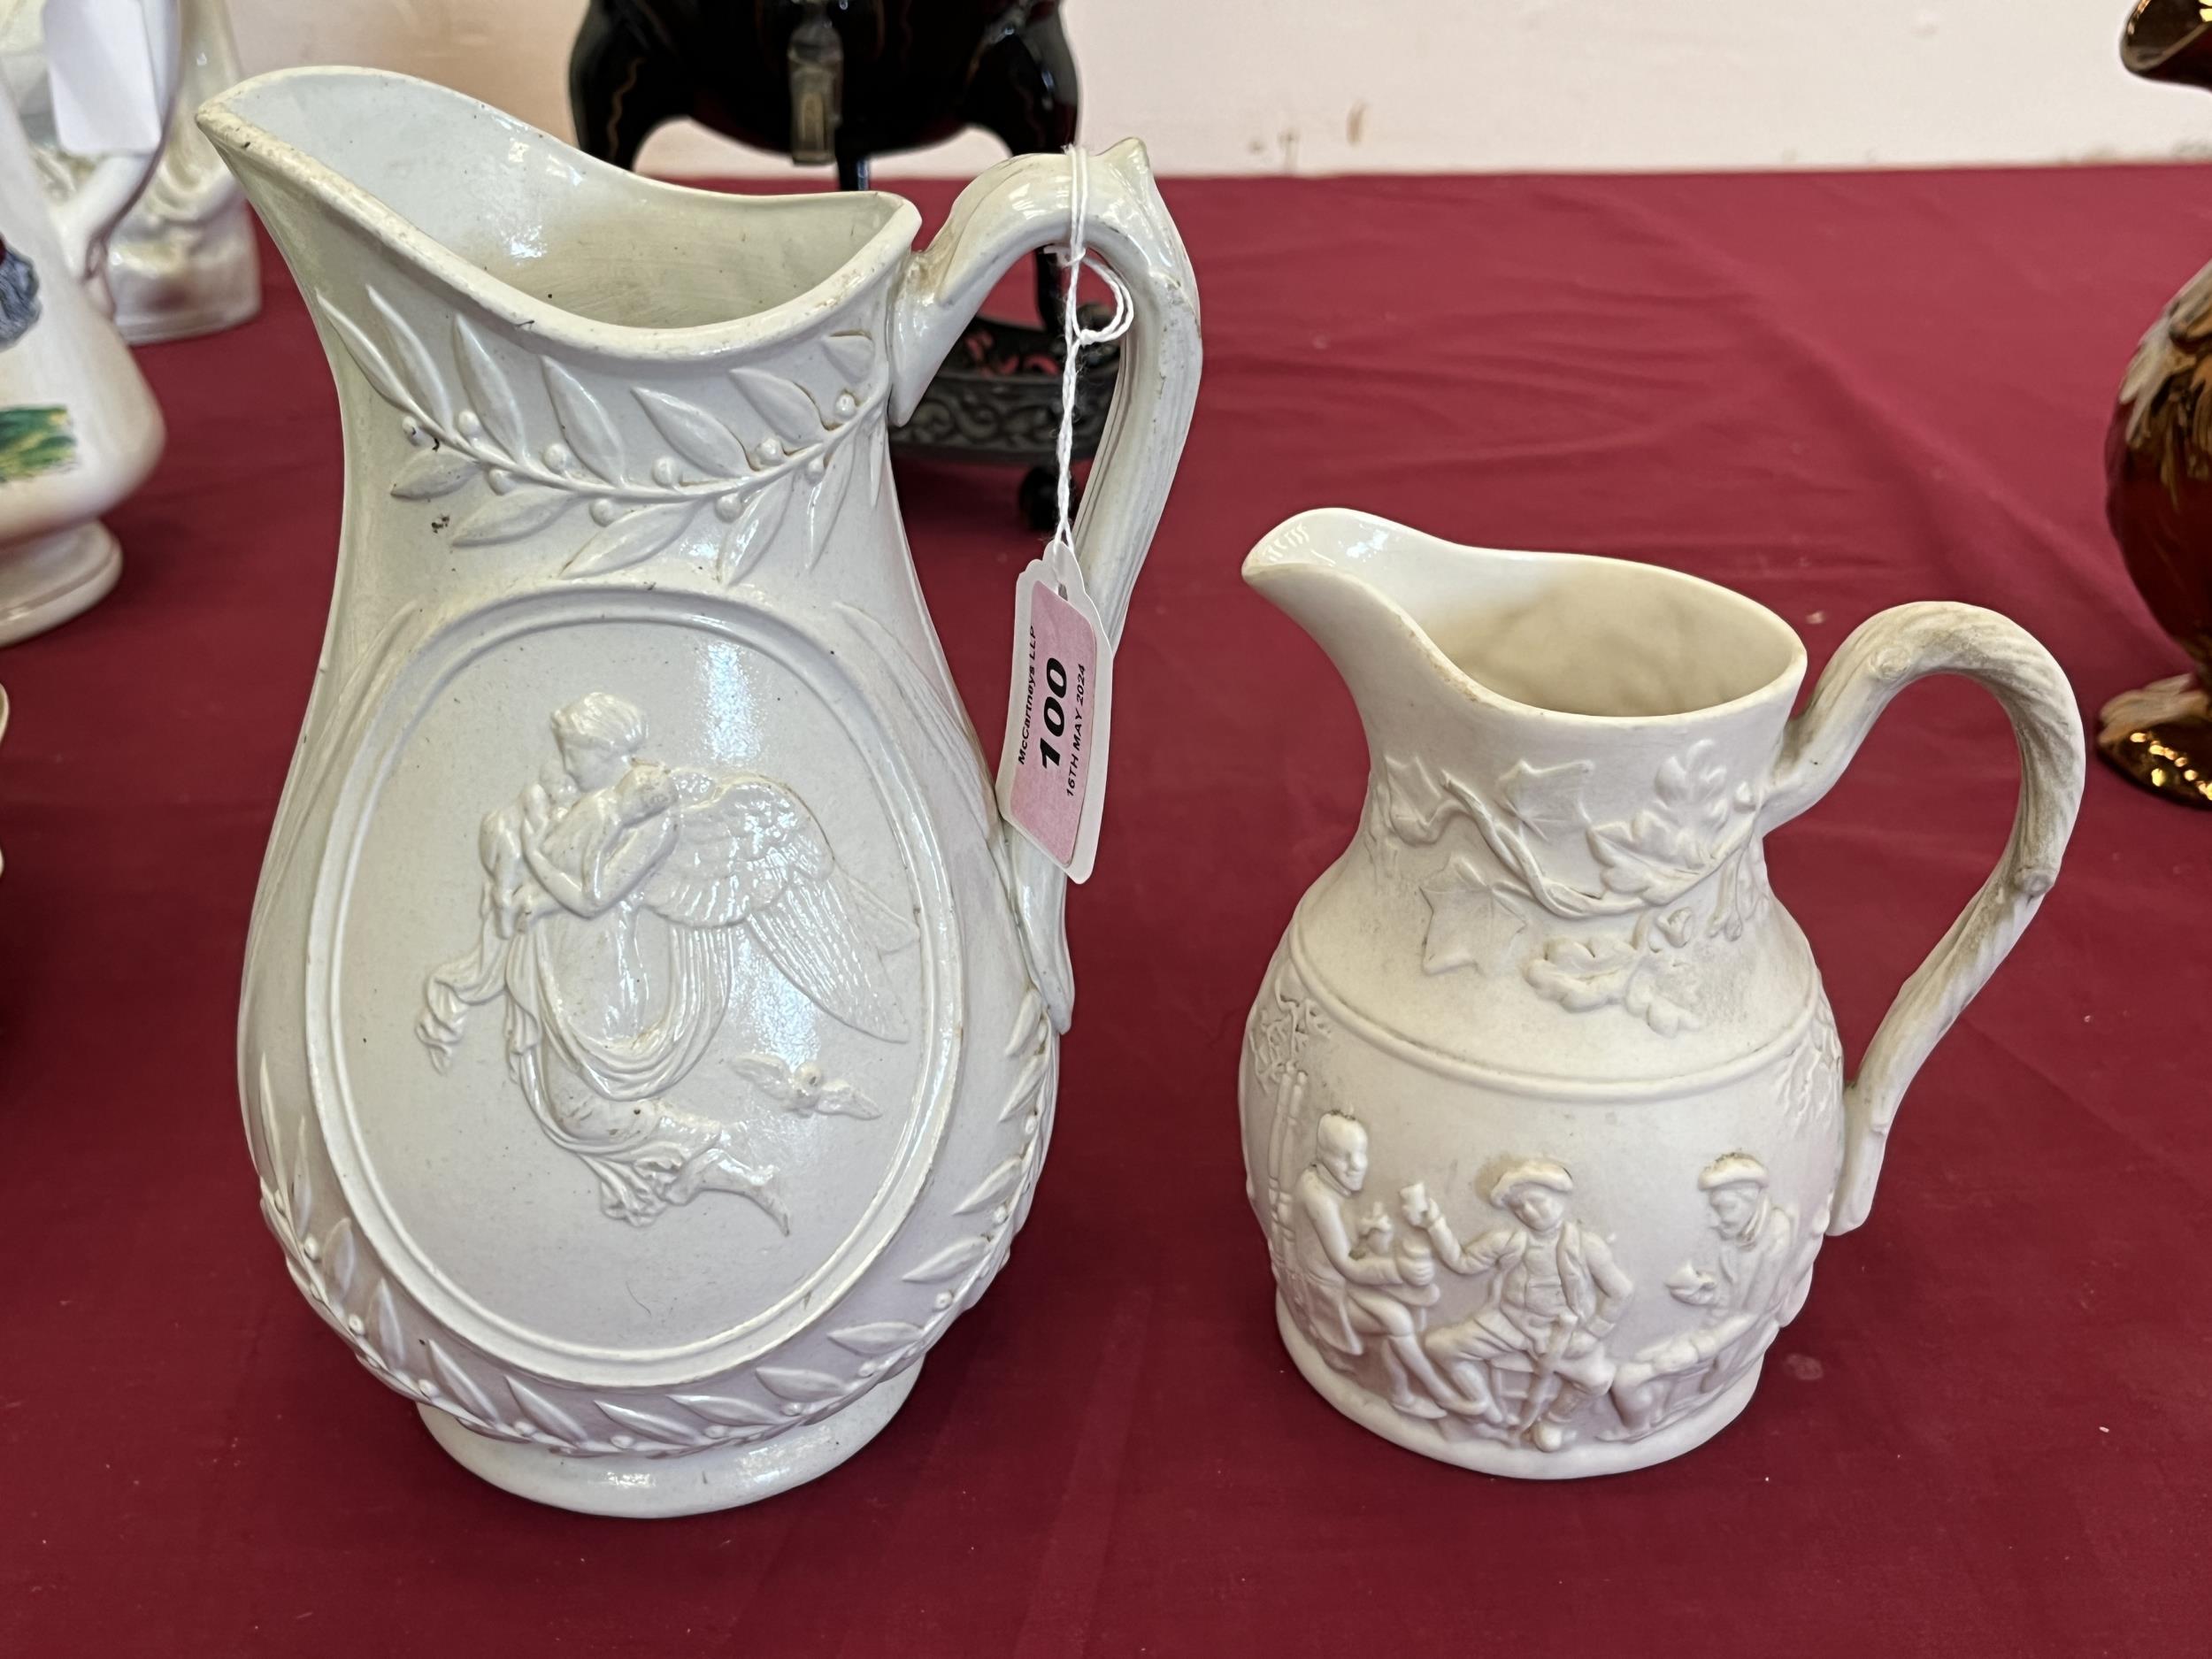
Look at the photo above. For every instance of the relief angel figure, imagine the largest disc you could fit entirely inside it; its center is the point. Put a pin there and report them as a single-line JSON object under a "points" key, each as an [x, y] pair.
{"points": [[615, 893]]}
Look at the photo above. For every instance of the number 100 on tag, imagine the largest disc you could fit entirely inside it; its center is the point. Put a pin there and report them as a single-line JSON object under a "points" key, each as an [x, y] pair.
{"points": [[1052, 771]]}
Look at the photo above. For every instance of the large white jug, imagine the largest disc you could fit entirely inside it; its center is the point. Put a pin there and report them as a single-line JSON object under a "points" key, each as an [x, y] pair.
{"points": [[649, 1030]]}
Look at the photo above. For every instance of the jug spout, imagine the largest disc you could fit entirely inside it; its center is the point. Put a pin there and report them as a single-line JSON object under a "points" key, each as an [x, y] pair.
{"points": [[349, 166], [1346, 579], [1474, 658], [1550, 639]]}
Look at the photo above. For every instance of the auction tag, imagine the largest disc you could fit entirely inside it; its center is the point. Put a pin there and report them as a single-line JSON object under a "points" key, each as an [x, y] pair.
{"points": [[1052, 768], [107, 86]]}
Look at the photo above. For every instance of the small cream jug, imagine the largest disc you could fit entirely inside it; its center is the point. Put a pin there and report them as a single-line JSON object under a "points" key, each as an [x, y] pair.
{"points": [[1543, 1108], [650, 1031]]}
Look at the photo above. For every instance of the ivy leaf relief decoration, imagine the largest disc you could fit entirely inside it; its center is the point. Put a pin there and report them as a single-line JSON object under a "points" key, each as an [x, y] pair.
{"points": [[1581, 974], [1669, 846], [1697, 827], [1584, 974], [1744, 893], [774, 448], [1471, 924], [1416, 806], [1548, 799]]}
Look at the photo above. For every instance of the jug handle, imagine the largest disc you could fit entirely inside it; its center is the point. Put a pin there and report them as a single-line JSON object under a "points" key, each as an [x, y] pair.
{"points": [[1017, 207], [1884, 654]]}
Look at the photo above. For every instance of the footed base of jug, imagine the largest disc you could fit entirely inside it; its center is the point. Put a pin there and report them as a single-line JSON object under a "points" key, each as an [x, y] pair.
{"points": [[1579, 1458], [45, 583], [697, 1483]]}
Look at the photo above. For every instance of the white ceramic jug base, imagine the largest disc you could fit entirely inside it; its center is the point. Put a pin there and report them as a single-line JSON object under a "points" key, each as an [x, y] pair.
{"points": [[1493, 1457], [44, 583], [698, 1482]]}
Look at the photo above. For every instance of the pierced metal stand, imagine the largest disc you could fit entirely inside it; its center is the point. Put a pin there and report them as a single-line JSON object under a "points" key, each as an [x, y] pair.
{"points": [[843, 80], [997, 400]]}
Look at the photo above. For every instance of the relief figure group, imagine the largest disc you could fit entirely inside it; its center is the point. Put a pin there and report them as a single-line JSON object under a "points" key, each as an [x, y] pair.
{"points": [[1526, 1365]]}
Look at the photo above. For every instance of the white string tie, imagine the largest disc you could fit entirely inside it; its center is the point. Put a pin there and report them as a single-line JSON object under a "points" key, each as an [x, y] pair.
{"points": [[1073, 338]]}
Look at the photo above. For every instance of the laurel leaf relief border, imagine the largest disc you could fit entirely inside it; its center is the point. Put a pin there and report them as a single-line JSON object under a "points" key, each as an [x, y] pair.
{"points": [[403, 1347], [469, 420]]}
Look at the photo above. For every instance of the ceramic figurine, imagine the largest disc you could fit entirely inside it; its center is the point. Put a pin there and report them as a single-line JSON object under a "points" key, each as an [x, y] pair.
{"points": [[649, 1030], [1544, 1114], [79, 429], [183, 262], [2158, 463]]}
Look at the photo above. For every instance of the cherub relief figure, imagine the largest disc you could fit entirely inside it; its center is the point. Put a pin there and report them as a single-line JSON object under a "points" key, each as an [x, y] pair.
{"points": [[1535, 1350], [615, 893]]}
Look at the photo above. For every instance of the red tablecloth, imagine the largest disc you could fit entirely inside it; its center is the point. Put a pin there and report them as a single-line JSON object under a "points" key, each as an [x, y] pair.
{"points": [[1991, 1432]]}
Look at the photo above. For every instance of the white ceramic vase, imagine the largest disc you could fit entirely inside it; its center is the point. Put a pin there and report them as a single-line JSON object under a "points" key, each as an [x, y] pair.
{"points": [[79, 429], [648, 1037], [1544, 1114], [183, 262]]}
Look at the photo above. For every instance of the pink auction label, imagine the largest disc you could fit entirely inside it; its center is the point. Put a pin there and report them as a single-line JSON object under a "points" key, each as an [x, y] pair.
{"points": [[1050, 773]]}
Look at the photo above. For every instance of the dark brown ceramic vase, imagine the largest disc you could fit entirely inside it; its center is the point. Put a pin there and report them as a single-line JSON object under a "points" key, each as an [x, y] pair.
{"points": [[2158, 459]]}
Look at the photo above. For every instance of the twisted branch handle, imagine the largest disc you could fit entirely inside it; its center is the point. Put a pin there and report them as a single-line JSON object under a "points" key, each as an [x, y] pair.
{"points": [[1884, 654]]}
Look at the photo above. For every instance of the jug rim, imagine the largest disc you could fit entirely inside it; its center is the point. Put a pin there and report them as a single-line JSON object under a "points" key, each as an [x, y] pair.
{"points": [[237, 135], [1270, 557]]}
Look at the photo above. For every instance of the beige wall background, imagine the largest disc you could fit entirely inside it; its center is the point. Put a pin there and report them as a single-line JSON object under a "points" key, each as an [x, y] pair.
{"points": [[1332, 86]]}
